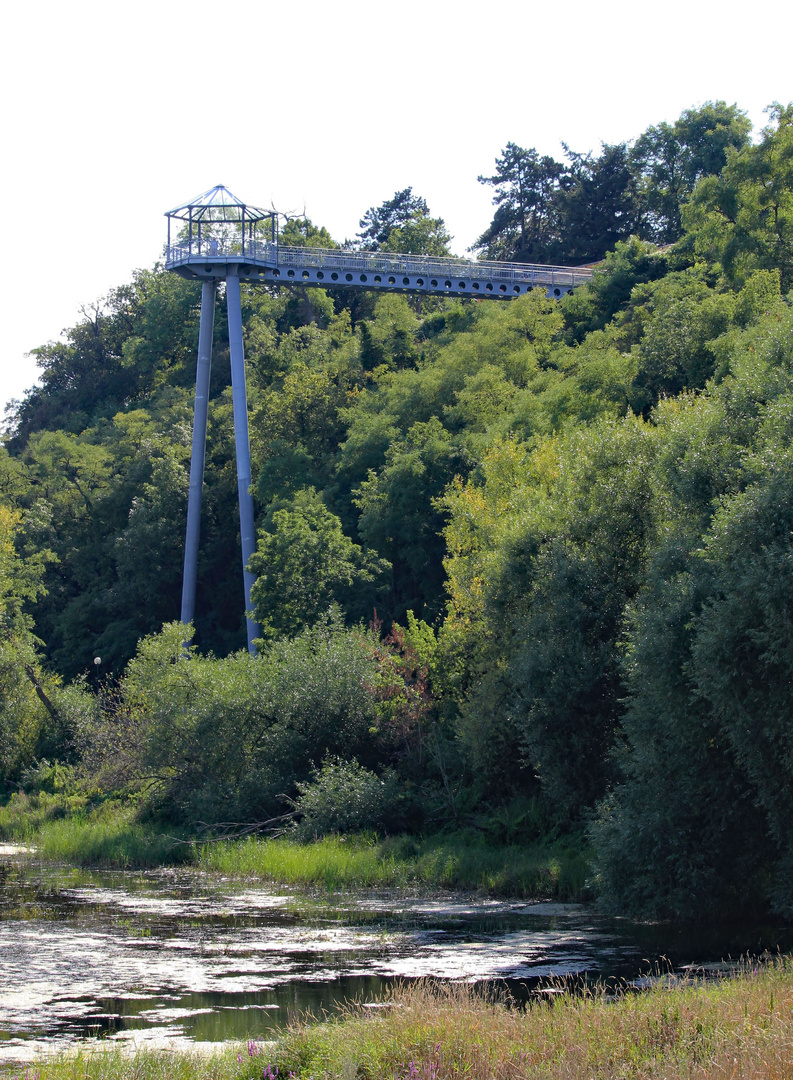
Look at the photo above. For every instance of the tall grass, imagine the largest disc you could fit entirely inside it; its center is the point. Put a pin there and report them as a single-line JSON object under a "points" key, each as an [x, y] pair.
{"points": [[115, 841], [332, 862], [74, 830], [742, 1027], [101, 1062], [460, 862]]}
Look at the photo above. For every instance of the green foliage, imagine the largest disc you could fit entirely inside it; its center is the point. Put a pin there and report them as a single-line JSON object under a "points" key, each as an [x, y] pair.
{"points": [[403, 224], [30, 725], [584, 503], [742, 658], [523, 226], [682, 317], [302, 232], [398, 517], [594, 305], [546, 592], [680, 835], [22, 714], [221, 740], [306, 564], [122, 346], [743, 217], [344, 797], [597, 205], [422, 236], [466, 860], [553, 212], [388, 338], [697, 819], [672, 158]]}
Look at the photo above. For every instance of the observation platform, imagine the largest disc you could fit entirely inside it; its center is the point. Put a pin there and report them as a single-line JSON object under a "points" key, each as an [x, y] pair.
{"points": [[217, 237], [266, 262]]}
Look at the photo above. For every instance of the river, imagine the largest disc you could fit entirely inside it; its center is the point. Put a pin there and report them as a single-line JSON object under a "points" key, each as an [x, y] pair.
{"points": [[175, 958]]}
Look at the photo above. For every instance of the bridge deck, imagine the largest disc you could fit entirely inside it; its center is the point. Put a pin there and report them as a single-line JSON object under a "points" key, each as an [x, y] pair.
{"points": [[331, 268]]}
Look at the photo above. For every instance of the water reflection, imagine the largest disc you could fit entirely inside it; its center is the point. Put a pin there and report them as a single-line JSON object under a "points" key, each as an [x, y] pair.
{"points": [[174, 957]]}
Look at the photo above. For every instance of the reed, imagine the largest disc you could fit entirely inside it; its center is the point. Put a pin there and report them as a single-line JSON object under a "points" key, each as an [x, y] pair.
{"points": [[108, 833], [454, 862], [333, 862], [79, 832], [113, 842]]}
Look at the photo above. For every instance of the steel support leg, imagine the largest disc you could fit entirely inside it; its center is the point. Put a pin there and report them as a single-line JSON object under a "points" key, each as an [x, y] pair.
{"points": [[240, 401], [203, 369]]}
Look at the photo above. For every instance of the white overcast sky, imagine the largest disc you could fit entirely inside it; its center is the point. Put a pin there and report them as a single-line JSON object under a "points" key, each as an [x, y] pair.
{"points": [[114, 112]]}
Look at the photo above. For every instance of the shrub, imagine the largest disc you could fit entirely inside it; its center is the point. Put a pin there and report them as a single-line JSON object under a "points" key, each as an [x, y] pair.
{"points": [[345, 797], [226, 740]]}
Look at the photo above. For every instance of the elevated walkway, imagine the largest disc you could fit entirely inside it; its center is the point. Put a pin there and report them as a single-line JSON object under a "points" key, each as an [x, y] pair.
{"points": [[219, 237], [264, 262]]}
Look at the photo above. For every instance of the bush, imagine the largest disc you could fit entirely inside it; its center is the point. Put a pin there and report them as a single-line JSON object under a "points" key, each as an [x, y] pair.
{"points": [[48, 776], [227, 740], [345, 797]]}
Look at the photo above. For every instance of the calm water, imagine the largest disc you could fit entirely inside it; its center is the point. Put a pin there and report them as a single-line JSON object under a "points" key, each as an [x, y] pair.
{"points": [[175, 958]]}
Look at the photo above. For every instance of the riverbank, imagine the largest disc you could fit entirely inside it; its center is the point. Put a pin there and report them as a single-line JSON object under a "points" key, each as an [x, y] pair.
{"points": [[739, 1027], [108, 834]]}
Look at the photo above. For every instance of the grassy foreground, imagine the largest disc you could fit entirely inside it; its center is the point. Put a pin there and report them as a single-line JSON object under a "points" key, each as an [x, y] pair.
{"points": [[108, 835], [742, 1027]]}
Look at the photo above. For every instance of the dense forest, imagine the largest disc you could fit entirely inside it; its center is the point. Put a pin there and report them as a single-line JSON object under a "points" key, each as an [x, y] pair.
{"points": [[522, 566]]}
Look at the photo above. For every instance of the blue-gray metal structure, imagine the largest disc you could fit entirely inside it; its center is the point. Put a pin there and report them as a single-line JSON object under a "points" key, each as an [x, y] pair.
{"points": [[200, 411], [220, 238], [266, 263], [239, 399]]}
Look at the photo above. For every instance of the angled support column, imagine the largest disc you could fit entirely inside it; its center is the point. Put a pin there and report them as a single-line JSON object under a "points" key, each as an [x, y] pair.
{"points": [[203, 370], [240, 401]]}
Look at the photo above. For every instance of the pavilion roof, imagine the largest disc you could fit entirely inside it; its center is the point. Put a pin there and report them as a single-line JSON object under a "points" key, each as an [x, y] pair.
{"points": [[218, 204]]}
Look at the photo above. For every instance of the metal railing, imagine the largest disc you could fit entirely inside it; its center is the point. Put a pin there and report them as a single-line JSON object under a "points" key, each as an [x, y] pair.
{"points": [[209, 247], [277, 257]]}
